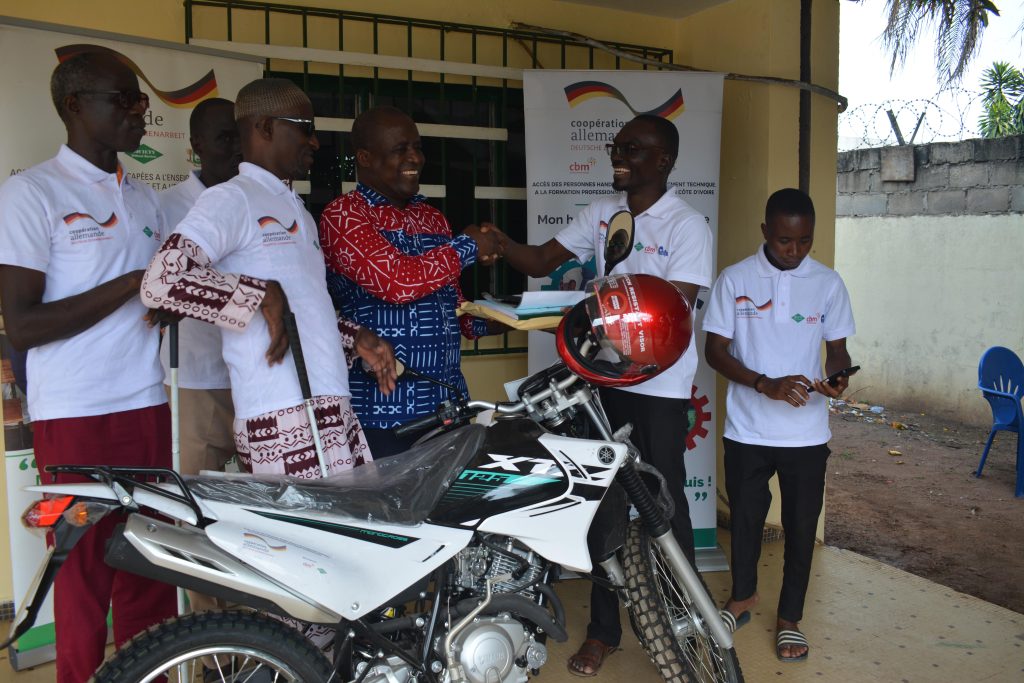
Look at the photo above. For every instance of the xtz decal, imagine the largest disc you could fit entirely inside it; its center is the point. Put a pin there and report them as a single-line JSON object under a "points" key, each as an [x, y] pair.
{"points": [[583, 91], [184, 98], [522, 463]]}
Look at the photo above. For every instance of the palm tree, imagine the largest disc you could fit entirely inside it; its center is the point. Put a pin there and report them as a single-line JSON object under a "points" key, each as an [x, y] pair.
{"points": [[960, 24], [1003, 87]]}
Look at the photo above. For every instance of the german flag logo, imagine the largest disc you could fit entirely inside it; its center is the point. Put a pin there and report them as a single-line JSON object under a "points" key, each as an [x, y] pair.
{"points": [[747, 300], [578, 93], [185, 98], [270, 220], [109, 223]]}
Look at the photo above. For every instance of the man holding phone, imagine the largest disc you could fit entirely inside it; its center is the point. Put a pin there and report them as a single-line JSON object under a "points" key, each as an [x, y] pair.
{"points": [[765, 322]]}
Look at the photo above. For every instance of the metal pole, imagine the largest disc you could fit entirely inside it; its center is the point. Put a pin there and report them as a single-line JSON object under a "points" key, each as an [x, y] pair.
{"points": [[292, 328], [172, 341]]}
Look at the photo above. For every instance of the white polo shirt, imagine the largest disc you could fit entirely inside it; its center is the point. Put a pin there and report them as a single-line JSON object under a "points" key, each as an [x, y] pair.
{"points": [[79, 226], [671, 240], [200, 364], [777, 320], [255, 225]]}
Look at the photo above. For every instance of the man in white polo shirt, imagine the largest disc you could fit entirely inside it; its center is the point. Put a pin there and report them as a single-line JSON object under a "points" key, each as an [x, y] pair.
{"points": [[672, 241], [255, 224], [204, 408], [77, 233], [765, 322]]}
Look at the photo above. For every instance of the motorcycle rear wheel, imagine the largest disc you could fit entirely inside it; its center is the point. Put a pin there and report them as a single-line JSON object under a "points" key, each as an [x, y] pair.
{"points": [[217, 647], [667, 621]]}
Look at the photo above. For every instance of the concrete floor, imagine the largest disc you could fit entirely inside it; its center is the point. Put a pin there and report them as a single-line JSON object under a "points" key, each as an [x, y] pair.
{"points": [[866, 622]]}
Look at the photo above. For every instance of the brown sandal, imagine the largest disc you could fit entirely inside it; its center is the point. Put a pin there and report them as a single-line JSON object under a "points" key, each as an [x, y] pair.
{"points": [[588, 659]]}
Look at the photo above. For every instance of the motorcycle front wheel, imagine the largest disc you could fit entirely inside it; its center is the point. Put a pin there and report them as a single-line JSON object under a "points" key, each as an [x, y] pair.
{"points": [[217, 647], [666, 620]]}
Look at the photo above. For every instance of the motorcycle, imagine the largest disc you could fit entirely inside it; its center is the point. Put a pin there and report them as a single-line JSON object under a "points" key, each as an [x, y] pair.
{"points": [[434, 565]]}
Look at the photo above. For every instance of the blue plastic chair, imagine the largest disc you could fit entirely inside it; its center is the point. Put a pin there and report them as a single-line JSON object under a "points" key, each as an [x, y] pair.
{"points": [[1001, 380]]}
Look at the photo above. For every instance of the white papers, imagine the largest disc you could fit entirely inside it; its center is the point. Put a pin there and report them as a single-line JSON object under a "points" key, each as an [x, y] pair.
{"points": [[534, 304]]}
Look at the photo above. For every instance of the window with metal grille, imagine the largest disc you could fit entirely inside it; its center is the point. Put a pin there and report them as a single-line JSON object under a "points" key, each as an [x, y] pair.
{"points": [[460, 83]]}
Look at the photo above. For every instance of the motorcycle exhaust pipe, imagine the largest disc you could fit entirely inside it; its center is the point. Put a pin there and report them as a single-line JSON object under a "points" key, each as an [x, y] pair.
{"points": [[185, 557]]}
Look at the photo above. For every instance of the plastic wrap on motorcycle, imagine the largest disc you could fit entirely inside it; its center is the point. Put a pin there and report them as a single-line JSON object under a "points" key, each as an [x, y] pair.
{"points": [[402, 489]]}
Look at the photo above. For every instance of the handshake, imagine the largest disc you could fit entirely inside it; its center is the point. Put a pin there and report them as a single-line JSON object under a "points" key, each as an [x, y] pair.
{"points": [[490, 242]]}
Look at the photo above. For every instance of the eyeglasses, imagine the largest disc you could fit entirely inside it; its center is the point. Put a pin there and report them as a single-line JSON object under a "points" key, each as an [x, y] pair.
{"points": [[126, 99], [628, 149], [305, 125]]}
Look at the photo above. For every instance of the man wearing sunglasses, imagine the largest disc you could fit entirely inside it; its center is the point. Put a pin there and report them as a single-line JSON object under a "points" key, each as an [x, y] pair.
{"points": [[255, 224], [77, 232], [672, 241], [394, 266]]}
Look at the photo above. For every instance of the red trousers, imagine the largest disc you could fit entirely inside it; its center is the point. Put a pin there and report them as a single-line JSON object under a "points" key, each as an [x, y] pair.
{"points": [[85, 587]]}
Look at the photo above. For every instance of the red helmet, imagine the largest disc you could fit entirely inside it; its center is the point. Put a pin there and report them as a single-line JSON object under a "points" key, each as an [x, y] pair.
{"points": [[637, 326]]}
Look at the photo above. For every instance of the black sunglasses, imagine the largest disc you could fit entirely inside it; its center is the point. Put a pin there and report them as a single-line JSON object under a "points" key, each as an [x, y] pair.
{"points": [[126, 99], [305, 125]]}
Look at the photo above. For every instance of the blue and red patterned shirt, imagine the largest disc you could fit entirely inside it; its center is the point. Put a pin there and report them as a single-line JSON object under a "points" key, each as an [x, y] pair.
{"points": [[397, 271]]}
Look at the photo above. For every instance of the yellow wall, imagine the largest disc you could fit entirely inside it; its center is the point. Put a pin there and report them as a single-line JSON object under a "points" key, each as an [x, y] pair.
{"points": [[759, 131]]}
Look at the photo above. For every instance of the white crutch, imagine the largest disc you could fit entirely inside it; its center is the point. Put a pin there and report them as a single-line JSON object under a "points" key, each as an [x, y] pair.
{"points": [[292, 329]]}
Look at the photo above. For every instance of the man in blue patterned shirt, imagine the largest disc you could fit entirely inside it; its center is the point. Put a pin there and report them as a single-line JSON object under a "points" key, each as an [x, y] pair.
{"points": [[393, 266]]}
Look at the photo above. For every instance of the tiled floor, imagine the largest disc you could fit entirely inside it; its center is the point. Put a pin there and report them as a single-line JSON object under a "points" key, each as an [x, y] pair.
{"points": [[866, 622]]}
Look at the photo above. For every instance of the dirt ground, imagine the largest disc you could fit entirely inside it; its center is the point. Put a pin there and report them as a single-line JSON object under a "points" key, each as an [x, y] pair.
{"points": [[901, 489]]}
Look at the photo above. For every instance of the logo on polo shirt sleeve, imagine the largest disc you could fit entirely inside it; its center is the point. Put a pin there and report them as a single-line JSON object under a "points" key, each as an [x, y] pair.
{"points": [[83, 227], [275, 232], [746, 308]]}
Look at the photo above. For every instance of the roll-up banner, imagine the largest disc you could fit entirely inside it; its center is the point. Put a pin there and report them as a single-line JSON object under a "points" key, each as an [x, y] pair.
{"points": [[176, 78], [570, 117]]}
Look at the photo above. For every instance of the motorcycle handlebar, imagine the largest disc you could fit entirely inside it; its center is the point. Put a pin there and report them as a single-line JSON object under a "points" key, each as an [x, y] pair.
{"points": [[417, 425], [448, 413]]}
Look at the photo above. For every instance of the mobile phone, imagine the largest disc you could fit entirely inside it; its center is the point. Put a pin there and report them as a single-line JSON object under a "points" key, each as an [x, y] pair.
{"points": [[833, 379]]}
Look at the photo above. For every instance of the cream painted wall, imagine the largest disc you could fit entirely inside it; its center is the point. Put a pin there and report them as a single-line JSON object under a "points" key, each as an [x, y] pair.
{"points": [[759, 132], [940, 290]]}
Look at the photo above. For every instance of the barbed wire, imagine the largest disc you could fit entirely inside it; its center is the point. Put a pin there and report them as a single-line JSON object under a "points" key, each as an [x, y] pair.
{"points": [[950, 114]]}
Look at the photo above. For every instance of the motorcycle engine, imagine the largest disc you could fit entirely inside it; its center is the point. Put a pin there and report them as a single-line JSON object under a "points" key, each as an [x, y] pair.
{"points": [[477, 563], [496, 647]]}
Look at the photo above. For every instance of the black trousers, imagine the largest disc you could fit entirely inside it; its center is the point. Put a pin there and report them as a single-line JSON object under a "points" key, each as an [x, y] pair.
{"points": [[801, 473], [659, 433]]}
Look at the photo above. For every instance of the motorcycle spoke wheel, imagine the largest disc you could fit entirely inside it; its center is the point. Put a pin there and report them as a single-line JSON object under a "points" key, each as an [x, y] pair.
{"points": [[217, 647], [667, 622]]}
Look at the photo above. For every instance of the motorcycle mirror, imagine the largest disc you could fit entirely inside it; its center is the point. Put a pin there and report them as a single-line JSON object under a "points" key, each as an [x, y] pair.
{"points": [[618, 240]]}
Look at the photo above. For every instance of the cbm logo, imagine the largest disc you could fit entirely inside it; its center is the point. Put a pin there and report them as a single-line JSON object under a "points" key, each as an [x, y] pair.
{"points": [[583, 166]]}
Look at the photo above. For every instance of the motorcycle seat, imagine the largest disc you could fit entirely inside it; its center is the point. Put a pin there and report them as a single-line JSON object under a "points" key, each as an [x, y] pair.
{"points": [[402, 489]]}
